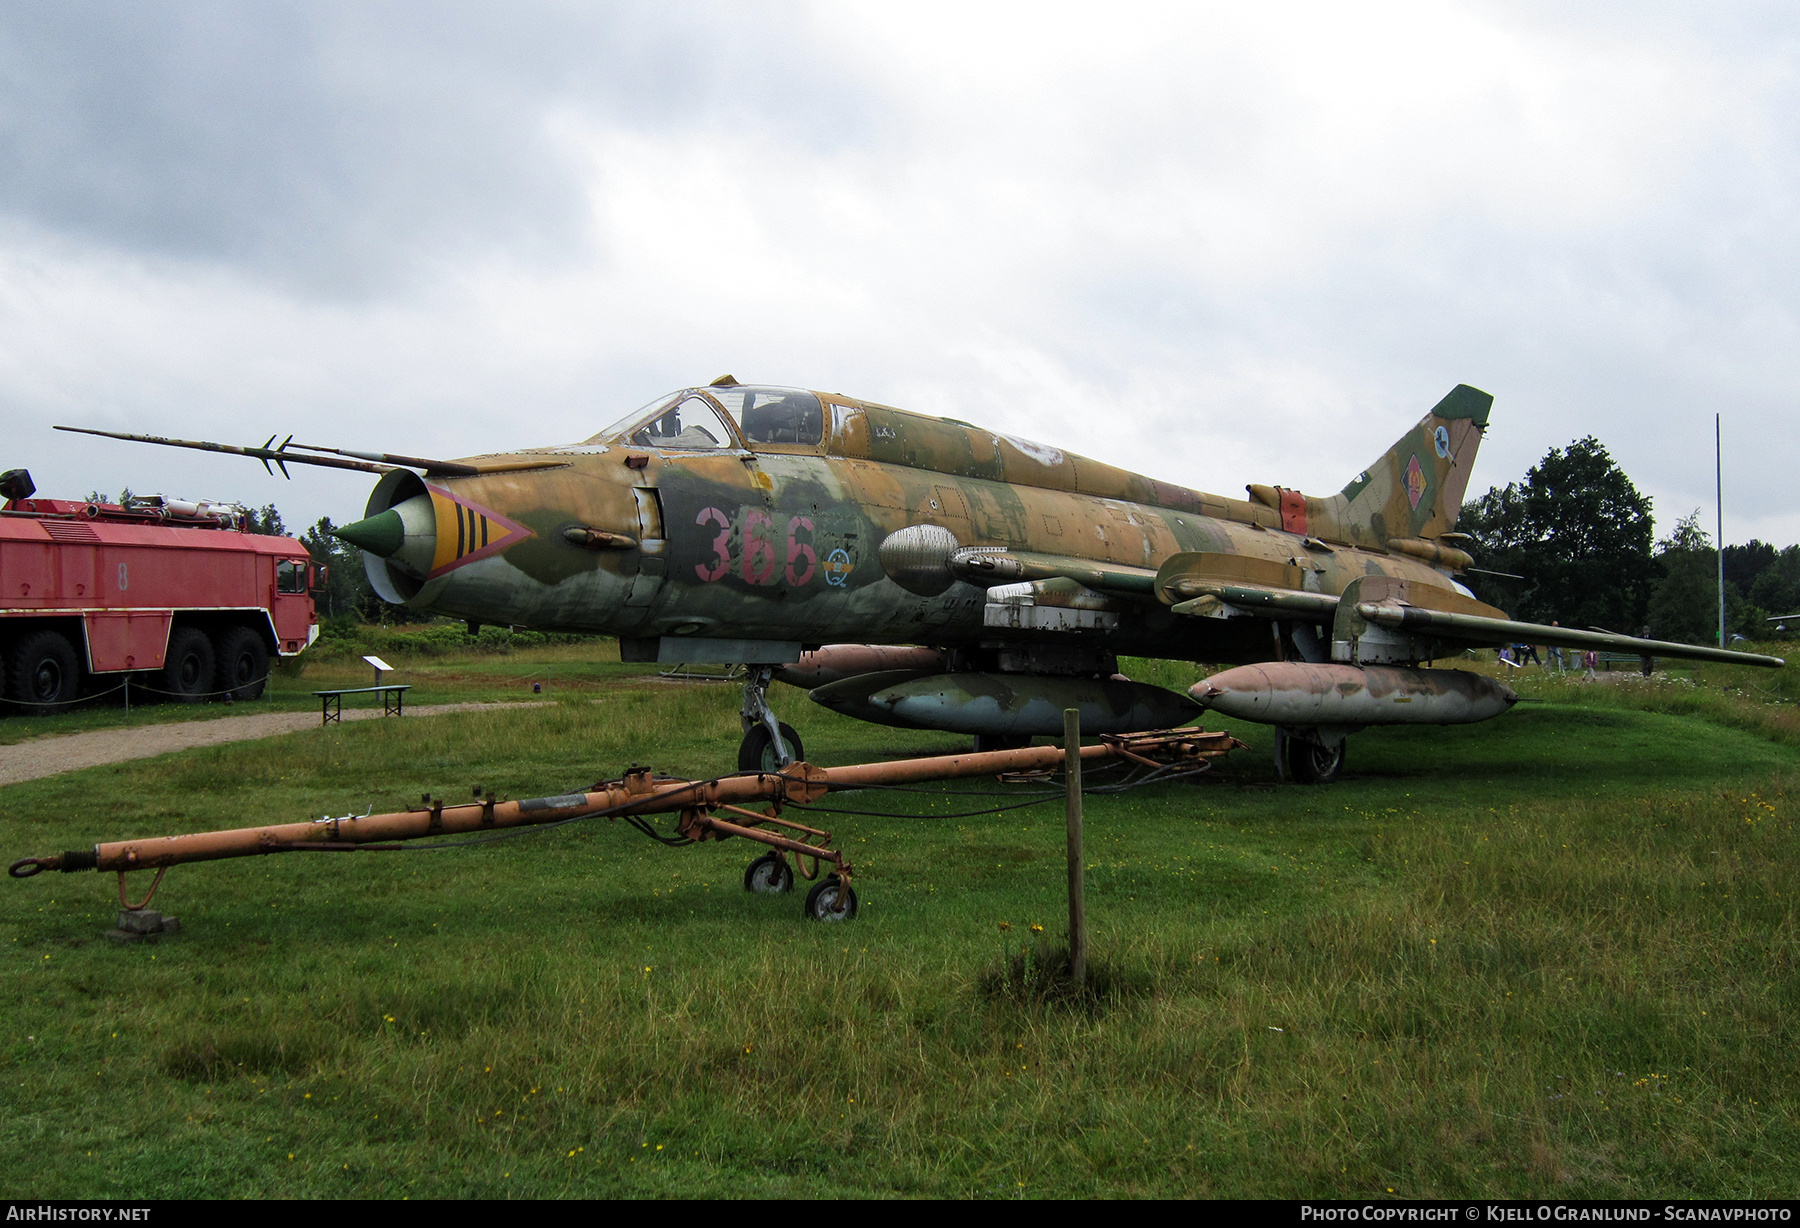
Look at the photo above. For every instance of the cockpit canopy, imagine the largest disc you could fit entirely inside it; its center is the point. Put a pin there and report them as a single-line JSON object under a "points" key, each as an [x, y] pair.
{"points": [[730, 416]]}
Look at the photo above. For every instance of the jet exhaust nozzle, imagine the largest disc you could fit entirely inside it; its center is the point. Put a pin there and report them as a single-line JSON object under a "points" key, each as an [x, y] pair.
{"points": [[1301, 694]]}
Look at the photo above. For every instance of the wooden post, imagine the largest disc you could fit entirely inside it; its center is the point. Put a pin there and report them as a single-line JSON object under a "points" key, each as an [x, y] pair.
{"points": [[1077, 895]]}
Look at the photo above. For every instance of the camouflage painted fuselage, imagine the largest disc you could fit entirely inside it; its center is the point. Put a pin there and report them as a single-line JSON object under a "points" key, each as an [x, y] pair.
{"points": [[780, 543]]}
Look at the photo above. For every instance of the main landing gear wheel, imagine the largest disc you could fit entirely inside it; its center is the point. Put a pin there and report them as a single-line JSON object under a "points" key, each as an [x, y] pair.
{"points": [[1310, 763], [757, 751], [769, 874], [831, 900]]}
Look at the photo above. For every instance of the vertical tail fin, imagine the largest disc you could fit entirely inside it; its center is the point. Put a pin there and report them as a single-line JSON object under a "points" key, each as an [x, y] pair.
{"points": [[1415, 490]]}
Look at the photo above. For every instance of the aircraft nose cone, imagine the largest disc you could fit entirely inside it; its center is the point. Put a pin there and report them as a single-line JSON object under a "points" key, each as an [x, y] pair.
{"points": [[381, 535], [405, 535]]}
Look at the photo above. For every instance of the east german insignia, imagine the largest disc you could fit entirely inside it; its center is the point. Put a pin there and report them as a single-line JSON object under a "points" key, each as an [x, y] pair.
{"points": [[1415, 482]]}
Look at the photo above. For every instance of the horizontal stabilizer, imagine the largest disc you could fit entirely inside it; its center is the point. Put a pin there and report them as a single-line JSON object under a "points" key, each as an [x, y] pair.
{"points": [[1474, 629]]}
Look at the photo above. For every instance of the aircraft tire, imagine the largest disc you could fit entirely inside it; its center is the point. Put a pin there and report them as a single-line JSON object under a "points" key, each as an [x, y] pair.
{"points": [[43, 673], [1312, 763], [756, 753], [769, 874], [243, 664], [831, 900]]}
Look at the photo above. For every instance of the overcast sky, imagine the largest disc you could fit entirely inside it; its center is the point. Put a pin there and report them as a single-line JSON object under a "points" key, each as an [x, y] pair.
{"points": [[1212, 244]]}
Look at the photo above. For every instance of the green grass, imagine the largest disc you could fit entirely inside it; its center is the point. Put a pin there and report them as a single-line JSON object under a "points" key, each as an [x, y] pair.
{"points": [[489, 671], [1553, 954]]}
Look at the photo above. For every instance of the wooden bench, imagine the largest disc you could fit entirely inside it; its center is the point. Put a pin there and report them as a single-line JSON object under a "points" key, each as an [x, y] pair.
{"points": [[393, 699]]}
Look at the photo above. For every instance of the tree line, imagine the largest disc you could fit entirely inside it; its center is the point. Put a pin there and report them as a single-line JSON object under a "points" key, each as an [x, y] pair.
{"points": [[1576, 545]]}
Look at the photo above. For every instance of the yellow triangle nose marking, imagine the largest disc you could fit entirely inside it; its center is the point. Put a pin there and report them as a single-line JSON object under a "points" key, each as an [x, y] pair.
{"points": [[466, 531]]}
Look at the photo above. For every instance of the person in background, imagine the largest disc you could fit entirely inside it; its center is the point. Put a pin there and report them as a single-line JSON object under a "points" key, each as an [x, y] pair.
{"points": [[1590, 659], [1556, 652]]}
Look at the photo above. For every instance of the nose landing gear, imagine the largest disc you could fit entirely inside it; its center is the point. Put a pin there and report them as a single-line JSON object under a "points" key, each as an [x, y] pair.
{"points": [[769, 744]]}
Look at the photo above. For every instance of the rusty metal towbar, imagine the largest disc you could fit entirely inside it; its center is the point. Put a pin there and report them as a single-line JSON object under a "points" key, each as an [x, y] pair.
{"points": [[639, 792]]}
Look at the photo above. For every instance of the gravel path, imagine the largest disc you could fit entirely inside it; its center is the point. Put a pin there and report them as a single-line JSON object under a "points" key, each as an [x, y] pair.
{"points": [[70, 752]]}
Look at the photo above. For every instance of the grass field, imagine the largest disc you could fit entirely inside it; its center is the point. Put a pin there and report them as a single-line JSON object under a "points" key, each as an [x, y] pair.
{"points": [[1554, 954]]}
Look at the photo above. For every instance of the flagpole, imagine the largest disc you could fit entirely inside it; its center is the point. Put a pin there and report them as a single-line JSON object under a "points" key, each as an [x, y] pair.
{"points": [[1719, 502]]}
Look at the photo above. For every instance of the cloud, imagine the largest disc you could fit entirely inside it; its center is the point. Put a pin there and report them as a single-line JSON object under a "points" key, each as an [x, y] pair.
{"points": [[342, 147]]}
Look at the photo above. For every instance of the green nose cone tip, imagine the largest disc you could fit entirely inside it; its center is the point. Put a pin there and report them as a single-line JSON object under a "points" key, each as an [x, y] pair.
{"points": [[380, 535]]}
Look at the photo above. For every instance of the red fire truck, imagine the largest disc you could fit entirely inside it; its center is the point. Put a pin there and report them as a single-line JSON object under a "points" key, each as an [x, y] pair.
{"points": [[175, 597]]}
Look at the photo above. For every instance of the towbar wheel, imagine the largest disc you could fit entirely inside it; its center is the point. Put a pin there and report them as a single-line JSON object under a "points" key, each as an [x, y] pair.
{"points": [[769, 874], [831, 900]]}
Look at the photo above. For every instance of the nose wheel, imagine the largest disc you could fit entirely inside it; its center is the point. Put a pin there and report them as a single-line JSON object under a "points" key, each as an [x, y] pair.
{"points": [[758, 751], [769, 745]]}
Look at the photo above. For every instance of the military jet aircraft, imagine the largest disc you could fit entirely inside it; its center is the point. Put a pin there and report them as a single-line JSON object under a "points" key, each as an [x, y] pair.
{"points": [[923, 572]]}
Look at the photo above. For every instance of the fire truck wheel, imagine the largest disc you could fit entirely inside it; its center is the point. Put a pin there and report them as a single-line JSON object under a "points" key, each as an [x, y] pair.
{"points": [[43, 674], [243, 664], [187, 673]]}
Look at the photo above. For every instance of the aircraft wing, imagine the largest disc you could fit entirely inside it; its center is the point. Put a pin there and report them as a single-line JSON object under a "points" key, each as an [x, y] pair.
{"points": [[1219, 585], [1475, 630]]}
